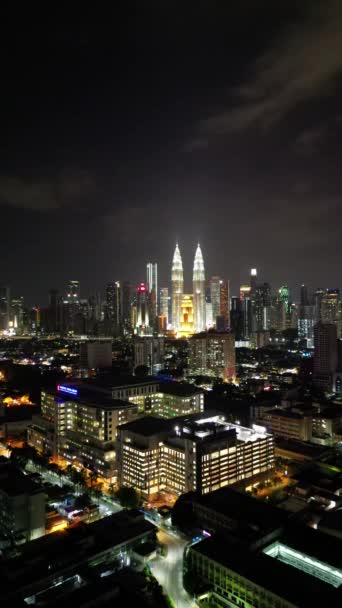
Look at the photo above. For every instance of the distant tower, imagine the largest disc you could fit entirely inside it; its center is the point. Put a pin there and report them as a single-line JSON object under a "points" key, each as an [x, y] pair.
{"points": [[254, 278], [198, 281], [177, 287], [152, 289], [142, 308], [164, 303]]}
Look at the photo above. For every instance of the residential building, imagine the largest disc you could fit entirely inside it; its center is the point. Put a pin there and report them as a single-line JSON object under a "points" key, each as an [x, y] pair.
{"points": [[96, 354], [213, 353], [149, 351]]}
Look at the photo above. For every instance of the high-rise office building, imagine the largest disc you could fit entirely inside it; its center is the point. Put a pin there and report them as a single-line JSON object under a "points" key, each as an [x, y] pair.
{"points": [[225, 302], [253, 279], [177, 288], [278, 313], [331, 308], [306, 316], [198, 281], [202, 453], [164, 303], [142, 322], [114, 307], [214, 284], [5, 302], [17, 314], [127, 296], [219, 297], [54, 312], [261, 307], [71, 307], [317, 300], [236, 318], [152, 288], [246, 311], [326, 354], [73, 291]]}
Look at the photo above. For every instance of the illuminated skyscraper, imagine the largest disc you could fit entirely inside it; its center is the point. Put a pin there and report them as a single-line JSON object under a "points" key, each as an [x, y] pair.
{"points": [[253, 280], [164, 303], [142, 322], [152, 287], [177, 287], [331, 308], [198, 281], [114, 307], [5, 301], [219, 295]]}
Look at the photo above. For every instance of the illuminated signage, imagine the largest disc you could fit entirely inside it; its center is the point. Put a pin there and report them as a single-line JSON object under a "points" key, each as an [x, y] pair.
{"points": [[67, 389]]}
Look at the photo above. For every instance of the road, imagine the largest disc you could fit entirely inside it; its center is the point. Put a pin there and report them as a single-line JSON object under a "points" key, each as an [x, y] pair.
{"points": [[169, 570], [107, 506]]}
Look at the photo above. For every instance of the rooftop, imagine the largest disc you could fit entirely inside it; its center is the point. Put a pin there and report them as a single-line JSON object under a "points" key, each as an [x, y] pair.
{"points": [[149, 425], [282, 579], [209, 423], [13, 482], [259, 516], [284, 414], [304, 448], [179, 389], [64, 550]]}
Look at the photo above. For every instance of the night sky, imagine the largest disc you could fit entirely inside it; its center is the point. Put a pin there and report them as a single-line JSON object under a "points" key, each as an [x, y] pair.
{"points": [[123, 133]]}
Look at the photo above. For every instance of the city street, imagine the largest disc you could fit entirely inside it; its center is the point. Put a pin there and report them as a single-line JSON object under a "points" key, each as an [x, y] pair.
{"points": [[168, 570]]}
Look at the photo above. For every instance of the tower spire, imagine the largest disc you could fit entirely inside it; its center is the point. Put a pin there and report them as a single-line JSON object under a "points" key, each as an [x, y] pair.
{"points": [[177, 280], [198, 281]]}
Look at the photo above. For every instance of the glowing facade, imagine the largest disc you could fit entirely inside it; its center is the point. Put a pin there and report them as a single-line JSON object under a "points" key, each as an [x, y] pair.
{"points": [[186, 322], [198, 281], [177, 288]]}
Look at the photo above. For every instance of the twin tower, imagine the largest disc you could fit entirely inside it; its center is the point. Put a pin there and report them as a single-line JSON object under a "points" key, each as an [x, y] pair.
{"points": [[188, 311]]}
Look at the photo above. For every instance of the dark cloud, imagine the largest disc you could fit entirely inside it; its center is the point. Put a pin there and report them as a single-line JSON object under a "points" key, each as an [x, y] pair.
{"points": [[73, 190], [301, 65]]}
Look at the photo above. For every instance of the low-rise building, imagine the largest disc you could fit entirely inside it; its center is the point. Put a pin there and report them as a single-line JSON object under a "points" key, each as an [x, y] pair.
{"points": [[326, 425], [22, 506], [171, 399], [298, 569], [65, 559], [287, 423]]}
